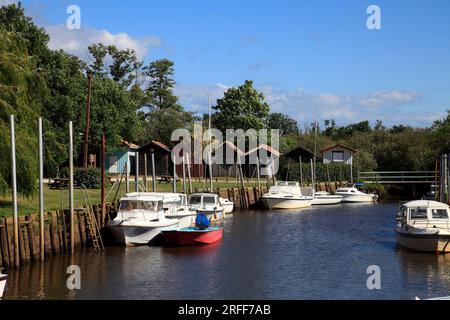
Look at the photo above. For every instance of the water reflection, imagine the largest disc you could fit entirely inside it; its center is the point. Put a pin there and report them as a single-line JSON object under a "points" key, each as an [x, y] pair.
{"points": [[315, 253]]}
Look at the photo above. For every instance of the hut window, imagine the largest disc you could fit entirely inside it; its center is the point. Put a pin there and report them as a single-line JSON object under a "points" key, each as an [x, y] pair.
{"points": [[439, 213], [338, 156]]}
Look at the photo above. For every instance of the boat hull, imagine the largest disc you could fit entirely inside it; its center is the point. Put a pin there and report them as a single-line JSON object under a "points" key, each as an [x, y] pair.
{"points": [[3, 279], [191, 236], [281, 203], [228, 208], [324, 200], [359, 198], [184, 220], [134, 235], [424, 243]]}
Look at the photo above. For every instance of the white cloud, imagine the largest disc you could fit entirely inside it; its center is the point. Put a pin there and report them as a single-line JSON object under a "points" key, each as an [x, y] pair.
{"points": [[392, 107], [7, 2], [77, 41]]}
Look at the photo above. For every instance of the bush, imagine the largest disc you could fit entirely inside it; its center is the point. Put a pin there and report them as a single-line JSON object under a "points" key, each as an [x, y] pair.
{"points": [[89, 178]]}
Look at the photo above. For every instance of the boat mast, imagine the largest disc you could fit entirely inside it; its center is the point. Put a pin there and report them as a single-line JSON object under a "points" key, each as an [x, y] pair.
{"points": [[210, 145], [315, 148]]}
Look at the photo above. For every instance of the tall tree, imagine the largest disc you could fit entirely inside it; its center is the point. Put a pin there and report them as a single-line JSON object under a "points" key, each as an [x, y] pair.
{"points": [[21, 91], [160, 87], [284, 123], [241, 107]]}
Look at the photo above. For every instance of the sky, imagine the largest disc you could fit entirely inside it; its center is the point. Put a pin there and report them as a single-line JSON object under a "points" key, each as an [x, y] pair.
{"points": [[303, 55]]}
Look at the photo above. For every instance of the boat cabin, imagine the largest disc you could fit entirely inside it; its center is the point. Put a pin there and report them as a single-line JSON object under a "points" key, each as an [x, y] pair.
{"points": [[139, 202], [421, 212], [199, 199]]}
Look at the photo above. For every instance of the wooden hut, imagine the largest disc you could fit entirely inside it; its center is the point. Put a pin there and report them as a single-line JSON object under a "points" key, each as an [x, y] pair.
{"points": [[115, 162], [267, 157], [162, 158]]}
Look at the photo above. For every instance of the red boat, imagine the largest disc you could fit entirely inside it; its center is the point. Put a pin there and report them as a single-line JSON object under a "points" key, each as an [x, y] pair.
{"points": [[193, 236]]}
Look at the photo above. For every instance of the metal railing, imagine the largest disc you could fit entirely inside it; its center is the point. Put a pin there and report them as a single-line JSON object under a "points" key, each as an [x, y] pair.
{"points": [[394, 177]]}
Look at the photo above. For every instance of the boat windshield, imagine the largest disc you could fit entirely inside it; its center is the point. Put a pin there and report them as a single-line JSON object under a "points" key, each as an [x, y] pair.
{"points": [[129, 205], [209, 200], [419, 213], [439, 213], [195, 200]]}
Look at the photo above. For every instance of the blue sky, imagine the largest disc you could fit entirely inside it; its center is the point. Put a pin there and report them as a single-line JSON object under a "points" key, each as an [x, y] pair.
{"points": [[303, 55]]}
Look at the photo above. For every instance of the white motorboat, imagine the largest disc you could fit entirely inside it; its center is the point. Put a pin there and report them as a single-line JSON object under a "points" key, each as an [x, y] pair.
{"points": [[175, 206], [207, 203], [286, 195], [424, 225], [227, 205], [323, 198], [140, 219], [352, 194], [3, 279]]}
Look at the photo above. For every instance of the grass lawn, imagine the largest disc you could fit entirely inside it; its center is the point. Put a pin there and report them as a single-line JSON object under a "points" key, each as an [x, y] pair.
{"points": [[59, 199]]}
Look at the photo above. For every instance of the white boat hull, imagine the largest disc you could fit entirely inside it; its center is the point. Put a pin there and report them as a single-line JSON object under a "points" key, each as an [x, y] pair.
{"points": [[3, 280], [132, 235], [184, 220], [423, 242], [359, 198], [324, 200], [228, 207], [282, 203]]}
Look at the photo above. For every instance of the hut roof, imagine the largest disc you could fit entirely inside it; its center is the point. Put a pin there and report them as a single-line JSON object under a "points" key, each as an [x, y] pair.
{"points": [[298, 152], [274, 152], [129, 144], [157, 144], [231, 145], [338, 145]]}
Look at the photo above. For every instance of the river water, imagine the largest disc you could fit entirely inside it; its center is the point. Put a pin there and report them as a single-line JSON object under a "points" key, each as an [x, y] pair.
{"points": [[315, 253]]}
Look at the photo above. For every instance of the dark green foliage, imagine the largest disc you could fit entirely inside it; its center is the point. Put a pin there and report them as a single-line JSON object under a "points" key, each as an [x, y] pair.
{"points": [[284, 123], [243, 108], [160, 88], [337, 172], [89, 178]]}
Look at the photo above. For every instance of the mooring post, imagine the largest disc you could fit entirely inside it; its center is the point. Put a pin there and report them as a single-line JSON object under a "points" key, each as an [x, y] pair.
{"points": [[145, 172], [153, 170], [258, 175], [188, 161], [300, 170], [174, 175], [72, 227], [184, 176], [442, 179], [448, 177], [14, 192], [103, 182], [127, 175], [136, 177], [41, 194]]}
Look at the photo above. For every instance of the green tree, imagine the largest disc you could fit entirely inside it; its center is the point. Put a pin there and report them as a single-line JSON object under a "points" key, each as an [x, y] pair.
{"points": [[160, 87], [284, 123], [157, 128], [242, 107], [21, 91]]}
